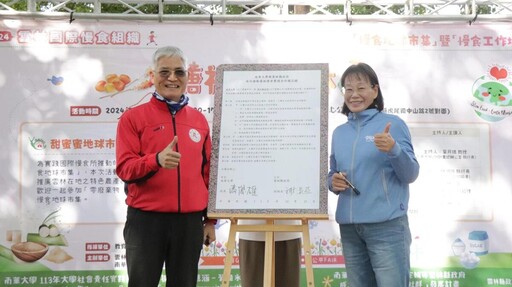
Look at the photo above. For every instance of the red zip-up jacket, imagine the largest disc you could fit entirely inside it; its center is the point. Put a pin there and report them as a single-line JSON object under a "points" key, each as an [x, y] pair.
{"points": [[145, 130]]}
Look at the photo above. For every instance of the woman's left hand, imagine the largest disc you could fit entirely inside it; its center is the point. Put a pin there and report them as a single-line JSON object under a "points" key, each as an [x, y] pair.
{"points": [[384, 141]]}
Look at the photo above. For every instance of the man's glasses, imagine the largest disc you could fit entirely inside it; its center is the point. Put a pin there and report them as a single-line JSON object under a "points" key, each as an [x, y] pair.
{"points": [[178, 73]]}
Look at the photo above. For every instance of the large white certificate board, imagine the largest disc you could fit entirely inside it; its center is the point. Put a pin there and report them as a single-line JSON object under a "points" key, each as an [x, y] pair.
{"points": [[269, 139]]}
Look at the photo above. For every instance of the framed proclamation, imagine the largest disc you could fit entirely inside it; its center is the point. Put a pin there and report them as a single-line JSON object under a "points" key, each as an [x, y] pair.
{"points": [[269, 141]]}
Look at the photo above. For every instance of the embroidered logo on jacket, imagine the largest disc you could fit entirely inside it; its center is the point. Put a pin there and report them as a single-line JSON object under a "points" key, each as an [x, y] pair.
{"points": [[194, 135]]}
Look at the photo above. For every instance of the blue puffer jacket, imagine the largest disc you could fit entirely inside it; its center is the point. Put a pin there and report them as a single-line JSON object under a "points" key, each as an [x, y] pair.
{"points": [[382, 178]]}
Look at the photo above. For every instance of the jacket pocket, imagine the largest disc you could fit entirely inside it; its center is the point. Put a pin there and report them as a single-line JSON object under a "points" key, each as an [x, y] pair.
{"points": [[385, 186]]}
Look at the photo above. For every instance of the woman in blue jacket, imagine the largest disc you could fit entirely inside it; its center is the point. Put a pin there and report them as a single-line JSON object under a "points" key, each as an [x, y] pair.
{"points": [[372, 163]]}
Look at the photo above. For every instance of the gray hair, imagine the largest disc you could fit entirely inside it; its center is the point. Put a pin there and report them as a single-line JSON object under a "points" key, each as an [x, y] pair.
{"points": [[169, 51]]}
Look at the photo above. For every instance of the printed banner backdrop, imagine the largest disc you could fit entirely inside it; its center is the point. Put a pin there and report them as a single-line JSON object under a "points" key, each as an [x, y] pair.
{"points": [[64, 87]]}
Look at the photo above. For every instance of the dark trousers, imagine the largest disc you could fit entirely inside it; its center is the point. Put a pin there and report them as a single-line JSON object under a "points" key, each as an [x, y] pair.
{"points": [[287, 262], [153, 239]]}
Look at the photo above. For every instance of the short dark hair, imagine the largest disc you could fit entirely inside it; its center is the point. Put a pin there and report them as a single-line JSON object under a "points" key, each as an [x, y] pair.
{"points": [[363, 70]]}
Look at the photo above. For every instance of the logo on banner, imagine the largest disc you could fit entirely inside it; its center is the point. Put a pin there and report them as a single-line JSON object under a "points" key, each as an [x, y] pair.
{"points": [[37, 144], [492, 98]]}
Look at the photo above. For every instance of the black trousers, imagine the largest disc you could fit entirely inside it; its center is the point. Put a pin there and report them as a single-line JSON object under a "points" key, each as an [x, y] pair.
{"points": [[287, 262], [153, 239]]}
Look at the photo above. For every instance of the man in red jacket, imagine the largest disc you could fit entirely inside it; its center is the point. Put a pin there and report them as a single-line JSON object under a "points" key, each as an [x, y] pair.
{"points": [[163, 156]]}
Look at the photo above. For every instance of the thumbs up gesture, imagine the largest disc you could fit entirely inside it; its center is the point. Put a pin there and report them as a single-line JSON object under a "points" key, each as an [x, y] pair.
{"points": [[168, 158], [384, 141]]}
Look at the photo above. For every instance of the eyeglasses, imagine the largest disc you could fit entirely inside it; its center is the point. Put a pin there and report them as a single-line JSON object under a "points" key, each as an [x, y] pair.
{"points": [[361, 90], [178, 73]]}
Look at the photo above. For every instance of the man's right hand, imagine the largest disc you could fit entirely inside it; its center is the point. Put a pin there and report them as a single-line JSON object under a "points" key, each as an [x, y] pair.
{"points": [[168, 158]]}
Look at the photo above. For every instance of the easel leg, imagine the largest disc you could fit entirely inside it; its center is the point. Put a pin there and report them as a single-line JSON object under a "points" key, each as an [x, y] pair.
{"points": [[268, 277], [229, 253], [307, 254]]}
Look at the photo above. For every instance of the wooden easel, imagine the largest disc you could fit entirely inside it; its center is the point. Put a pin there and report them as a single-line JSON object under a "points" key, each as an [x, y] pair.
{"points": [[269, 228]]}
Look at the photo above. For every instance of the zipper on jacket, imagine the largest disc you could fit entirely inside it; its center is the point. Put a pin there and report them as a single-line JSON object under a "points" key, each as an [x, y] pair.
{"points": [[385, 186], [173, 114], [354, 144]]}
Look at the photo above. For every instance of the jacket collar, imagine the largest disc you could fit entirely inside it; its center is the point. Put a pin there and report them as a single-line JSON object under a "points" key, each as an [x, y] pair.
{"points": [[362, 117]]}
